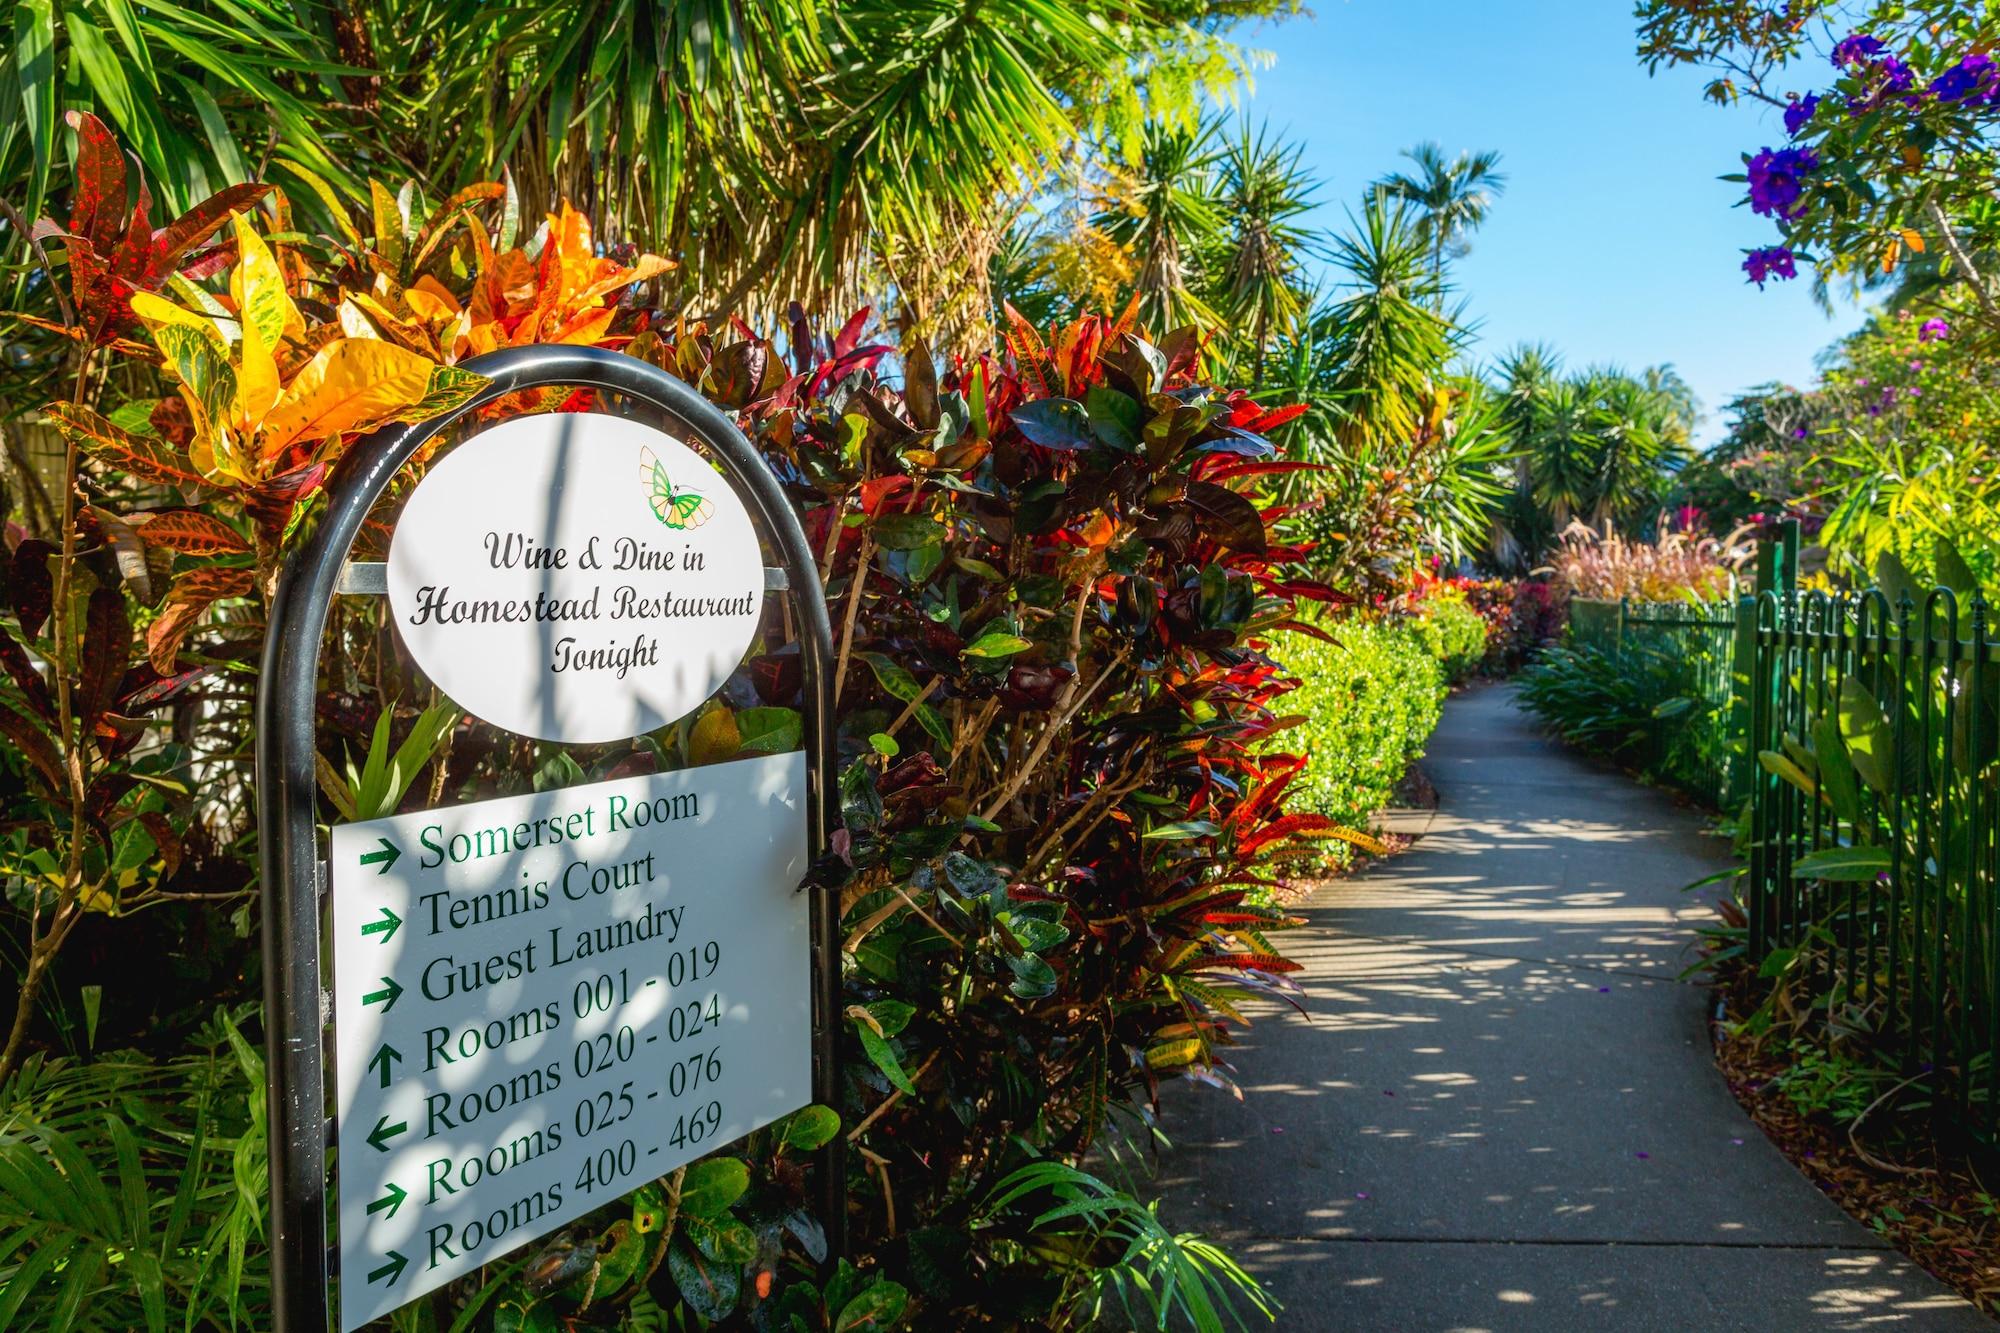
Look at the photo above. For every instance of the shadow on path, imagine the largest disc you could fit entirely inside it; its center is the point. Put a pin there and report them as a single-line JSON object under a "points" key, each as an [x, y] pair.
{"points": [[1503, 1112]]}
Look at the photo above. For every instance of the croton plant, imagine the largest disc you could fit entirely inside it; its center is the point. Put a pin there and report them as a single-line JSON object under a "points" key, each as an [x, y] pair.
{"points": [[1051, 586]]}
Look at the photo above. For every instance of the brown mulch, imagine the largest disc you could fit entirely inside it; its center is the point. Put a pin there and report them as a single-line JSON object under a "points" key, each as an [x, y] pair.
{"points": [[1918, 1197]]}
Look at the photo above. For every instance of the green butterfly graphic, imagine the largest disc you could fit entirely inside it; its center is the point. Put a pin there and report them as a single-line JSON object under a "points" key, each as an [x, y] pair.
{"points": [[676, 509]]}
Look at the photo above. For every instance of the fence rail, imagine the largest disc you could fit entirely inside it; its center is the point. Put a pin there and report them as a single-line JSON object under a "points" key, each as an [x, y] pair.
{"points": [[1686, 652], [1861, 738], [1874, 861]]}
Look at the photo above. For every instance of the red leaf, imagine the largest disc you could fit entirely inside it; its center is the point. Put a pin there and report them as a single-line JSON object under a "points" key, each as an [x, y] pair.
{"points": [[202, 586], [1277, 417], [26, 679], [191, 533], [107, 635], [144, 459], [98, 211], [34, 745], [850, 332], [165, 635], [196, 225], [1247, 962]]}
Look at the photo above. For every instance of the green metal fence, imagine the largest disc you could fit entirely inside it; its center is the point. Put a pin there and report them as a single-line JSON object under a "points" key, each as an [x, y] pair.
{"points": [[1872, 826], [1683, 654]]}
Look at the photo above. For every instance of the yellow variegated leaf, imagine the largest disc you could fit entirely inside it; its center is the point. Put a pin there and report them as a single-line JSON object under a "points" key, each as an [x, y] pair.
{"points": [[257, 386], [157, 312], [353, 323], [450, 388], [389, 242], [258, 286], [1173, 1054], [1366, 842], [207, 383], [356, 384]]}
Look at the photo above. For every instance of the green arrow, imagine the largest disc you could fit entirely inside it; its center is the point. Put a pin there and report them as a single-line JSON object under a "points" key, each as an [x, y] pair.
{"points": [[378, 1137], [386, 927], [386, 997], [385, 1058], [387, 856], [390, 1201], [391, 1270]]}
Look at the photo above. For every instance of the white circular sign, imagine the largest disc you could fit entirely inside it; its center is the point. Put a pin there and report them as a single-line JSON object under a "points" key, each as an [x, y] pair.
{"points": [[576, 577]]}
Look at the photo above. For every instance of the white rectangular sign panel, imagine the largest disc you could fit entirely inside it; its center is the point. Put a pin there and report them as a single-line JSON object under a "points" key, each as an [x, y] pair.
{"points": [[543, 1002]]}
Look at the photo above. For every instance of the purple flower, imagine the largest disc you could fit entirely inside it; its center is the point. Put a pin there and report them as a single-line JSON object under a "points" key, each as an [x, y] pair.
{"points": [[1973, 76], [1773, 261], [1933, 330], [1855, 47], [1798, 432], [1777, 180], [1799, 112]]}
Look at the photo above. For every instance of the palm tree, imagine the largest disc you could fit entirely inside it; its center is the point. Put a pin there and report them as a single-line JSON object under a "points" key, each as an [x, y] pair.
{"points": [[1393, 339], [1455, 196], [1168, 215], [1266, 191]]}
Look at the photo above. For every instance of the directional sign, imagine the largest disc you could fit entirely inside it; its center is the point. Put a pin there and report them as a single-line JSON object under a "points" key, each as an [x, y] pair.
{"points": [[575, 576], [542, 1002]]}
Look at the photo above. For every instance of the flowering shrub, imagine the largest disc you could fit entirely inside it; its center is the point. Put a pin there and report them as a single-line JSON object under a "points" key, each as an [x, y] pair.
{"points": [[1682, 564], [1055, 607], [1520, 616]]}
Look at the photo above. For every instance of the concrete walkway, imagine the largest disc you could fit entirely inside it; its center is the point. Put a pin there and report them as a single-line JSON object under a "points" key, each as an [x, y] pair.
{"points": [[1502, 1114]]}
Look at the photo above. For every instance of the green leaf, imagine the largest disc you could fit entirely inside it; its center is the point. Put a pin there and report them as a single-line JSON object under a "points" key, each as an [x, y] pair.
{"points": [[897, 682], [808, 1128], [770, 730], [880, 1306], [1055, 423], [1836, 770], [727, 1241], [710, 1288], [1783, 767], [884, 1019], [1844, 865], [1870, 739], [906, 532], [1183, 831], [1115, 418], [35, 71], [1897, 585], [1953, 572], [996, 643], [711, 1186], [1034, 979]]}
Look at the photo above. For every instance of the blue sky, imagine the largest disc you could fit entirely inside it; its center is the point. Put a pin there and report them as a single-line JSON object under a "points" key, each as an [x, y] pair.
{"points": [[1614, 241]]}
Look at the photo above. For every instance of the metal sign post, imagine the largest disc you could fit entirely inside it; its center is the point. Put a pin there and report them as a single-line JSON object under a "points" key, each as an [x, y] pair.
{"points": [[296, 1002]]}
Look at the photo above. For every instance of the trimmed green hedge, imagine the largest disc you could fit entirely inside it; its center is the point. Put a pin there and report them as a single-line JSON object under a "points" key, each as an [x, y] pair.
{"points": [[1370, 702], [1452, 632]]}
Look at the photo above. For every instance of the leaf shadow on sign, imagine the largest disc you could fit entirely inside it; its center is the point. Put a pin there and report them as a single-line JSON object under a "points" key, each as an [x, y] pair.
{"points": [[566, 444]]}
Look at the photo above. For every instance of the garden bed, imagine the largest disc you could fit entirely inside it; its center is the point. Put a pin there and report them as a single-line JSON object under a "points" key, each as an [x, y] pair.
{"points": [[1895, 1180]]}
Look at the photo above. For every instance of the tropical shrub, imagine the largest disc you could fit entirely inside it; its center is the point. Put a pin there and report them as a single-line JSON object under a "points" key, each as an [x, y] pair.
{"points": [[1520, 616], [1449, 629], [1370, 696], [1055, 608], [1647, 699]]}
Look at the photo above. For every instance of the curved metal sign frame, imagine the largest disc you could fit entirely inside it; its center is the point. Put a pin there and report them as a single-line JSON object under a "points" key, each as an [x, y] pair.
{"points": [[287, 785]]}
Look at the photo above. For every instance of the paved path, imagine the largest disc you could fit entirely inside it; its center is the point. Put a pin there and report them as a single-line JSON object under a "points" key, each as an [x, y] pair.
{"points": [[1503, 1114]]}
